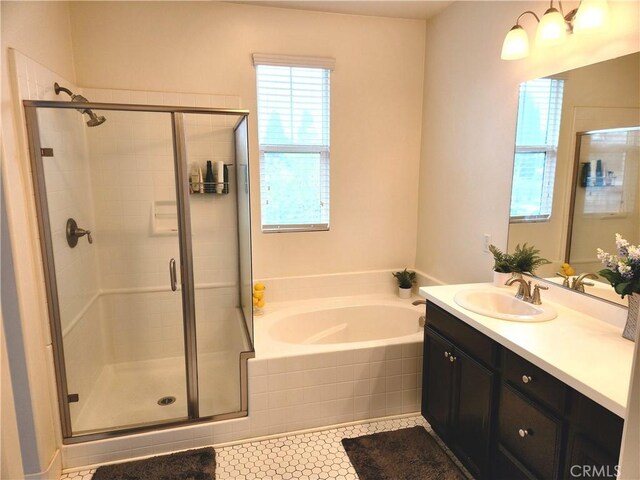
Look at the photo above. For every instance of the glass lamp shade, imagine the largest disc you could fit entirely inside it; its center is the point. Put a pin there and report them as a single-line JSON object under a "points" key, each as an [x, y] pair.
{"points": [[516, 44], [552, 29], [591, 15]]}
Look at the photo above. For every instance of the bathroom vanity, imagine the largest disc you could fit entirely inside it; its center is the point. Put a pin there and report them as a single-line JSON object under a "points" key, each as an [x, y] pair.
{"points": [[525, 400]]}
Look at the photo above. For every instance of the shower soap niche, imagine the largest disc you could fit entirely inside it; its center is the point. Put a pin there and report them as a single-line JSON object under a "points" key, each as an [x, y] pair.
{"points": [[164, 218]]}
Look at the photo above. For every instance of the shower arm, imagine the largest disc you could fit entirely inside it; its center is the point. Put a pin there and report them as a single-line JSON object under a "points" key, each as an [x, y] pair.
{"points": [[57, 88]]}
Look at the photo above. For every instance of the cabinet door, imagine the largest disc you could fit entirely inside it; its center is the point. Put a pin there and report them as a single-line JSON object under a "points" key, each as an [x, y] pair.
{"points": [[471, 418], [437, 382]]}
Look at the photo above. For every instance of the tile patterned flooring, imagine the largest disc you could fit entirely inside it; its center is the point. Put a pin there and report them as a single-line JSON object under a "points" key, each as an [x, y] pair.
{"points": [[310, 456]]}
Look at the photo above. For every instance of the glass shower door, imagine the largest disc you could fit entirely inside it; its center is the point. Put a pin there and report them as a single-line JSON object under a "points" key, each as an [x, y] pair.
{"points": [[115, 272], [213, 206]]}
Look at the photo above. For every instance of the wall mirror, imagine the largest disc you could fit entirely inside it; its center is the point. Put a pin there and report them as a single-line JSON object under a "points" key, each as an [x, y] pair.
{"points": [[576, 175]]}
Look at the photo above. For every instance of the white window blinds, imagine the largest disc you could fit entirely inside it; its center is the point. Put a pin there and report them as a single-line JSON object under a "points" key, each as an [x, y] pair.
{"points": [[539, 112], [293, 135]]}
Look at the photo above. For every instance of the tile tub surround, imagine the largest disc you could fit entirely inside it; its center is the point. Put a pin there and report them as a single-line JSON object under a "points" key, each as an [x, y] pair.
{"points": [[583, 347], [286, 289]]}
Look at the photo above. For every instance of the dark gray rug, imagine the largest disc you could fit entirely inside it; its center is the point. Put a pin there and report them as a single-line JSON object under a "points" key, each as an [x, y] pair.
{"points": [[197, 464], [407, 454]]}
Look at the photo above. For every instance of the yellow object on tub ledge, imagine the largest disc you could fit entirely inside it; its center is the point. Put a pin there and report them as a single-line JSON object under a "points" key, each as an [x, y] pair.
{"points": [[258, 298]]}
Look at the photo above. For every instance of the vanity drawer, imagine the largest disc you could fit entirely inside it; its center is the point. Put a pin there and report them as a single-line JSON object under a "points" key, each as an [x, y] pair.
{"points": [[529, 434], [469, 339], [534, 381]]}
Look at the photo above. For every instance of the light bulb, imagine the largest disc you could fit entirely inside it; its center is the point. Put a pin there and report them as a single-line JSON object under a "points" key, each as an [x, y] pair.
{"points": [[516, 44], [591, 15], [552, 29]]}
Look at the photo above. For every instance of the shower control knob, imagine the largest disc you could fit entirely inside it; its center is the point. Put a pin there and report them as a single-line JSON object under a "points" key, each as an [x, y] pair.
{"points": [[74, 233]]}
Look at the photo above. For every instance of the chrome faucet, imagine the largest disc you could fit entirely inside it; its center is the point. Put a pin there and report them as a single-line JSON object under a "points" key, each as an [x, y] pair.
{"points": [[524, 290], [578, 283]]}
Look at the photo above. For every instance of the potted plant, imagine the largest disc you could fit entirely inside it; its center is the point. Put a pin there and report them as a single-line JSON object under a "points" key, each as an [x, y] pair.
{"points": [[623, 273], [406, 279], [502, 266], [526, 259]]}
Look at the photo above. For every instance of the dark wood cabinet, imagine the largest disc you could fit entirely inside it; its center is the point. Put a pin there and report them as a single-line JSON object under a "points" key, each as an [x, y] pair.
{"points": [[506, 418], [438, 374], [471, 419], [594, 437], [458, 400], [529, 433]]}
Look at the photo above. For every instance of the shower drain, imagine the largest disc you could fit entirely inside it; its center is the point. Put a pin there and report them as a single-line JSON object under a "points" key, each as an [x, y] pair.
{"points": [[164, 401]]}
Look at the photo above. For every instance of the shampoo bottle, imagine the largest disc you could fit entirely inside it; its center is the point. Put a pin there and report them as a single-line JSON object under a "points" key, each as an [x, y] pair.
{"points": [[209, 182], [194, 178]]}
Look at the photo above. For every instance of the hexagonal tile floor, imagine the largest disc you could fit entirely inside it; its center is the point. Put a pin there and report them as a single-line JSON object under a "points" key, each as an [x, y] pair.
{"points": [[310, 456]]}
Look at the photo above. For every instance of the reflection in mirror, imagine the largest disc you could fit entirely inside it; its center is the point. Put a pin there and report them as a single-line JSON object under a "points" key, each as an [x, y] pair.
{"points": [[565, 121]]}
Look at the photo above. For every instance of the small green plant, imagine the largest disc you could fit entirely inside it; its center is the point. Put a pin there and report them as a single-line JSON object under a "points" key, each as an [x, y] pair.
{"points": [[502, 262], [523, 259], [405, 278], [527, 259]]}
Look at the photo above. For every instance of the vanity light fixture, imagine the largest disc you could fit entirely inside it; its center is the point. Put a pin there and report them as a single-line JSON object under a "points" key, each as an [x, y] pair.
{"points": [[554, 27]]}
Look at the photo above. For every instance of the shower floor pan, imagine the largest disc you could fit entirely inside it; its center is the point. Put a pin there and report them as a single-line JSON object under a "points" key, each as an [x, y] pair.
{"points": [[127, 394]]}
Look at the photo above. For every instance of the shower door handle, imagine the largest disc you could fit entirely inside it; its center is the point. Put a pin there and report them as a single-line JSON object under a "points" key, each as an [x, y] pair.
{"points": [[172, 275]]}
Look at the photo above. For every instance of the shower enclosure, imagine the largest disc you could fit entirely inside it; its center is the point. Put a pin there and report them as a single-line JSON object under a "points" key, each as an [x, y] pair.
{"points": [[148, 277]]}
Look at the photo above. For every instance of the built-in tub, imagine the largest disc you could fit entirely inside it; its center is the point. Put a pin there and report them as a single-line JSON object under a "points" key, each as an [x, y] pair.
{"points": [[328, 361], [337, 324]]}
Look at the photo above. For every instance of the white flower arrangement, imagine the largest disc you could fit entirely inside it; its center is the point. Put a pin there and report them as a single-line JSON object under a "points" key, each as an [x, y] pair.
{"points": [[622, 270]]}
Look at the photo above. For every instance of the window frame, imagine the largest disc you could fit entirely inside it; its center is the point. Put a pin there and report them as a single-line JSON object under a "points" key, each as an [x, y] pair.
{"points": [[549, 150], [323, 150]]}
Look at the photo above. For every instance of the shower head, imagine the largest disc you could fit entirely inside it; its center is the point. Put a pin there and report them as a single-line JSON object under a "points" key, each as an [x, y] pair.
{"points": [[94, 120]]}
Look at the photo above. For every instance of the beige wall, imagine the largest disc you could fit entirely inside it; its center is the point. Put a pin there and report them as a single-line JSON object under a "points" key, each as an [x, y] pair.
{"points": [[376, 107], [469, 116], [52, 46]]}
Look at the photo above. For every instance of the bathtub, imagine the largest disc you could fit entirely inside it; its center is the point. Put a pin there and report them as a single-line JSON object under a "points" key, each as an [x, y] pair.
{"points": [[328, 361], [336, 324]]}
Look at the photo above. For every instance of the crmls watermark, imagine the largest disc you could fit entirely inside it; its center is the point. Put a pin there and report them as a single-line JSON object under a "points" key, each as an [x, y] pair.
{"points": [[594, 471]]}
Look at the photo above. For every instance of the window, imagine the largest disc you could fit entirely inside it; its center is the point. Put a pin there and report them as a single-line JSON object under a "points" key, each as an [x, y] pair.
{"points": [[534, 170], [293, 136]]}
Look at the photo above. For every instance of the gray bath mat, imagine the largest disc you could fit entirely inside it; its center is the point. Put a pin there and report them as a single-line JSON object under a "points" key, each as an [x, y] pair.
{"points": [[407, 454], [197, 464]]}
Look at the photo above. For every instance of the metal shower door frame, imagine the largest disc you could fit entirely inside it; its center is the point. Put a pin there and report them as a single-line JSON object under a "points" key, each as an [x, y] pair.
{"points": [[186, 261]]}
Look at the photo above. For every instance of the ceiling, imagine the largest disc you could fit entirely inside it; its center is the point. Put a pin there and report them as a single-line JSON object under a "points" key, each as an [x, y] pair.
{"points": [[416, 9]]}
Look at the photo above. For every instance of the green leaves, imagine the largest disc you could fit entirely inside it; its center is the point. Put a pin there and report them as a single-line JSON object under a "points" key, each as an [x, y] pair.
{"points": [[523, 259], [405, 278], [526, 259]]}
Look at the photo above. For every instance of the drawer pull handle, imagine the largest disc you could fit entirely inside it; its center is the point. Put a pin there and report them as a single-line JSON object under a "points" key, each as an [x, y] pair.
{"points": [[446, 354], [523, 432], [526, 379], [452, 358]]}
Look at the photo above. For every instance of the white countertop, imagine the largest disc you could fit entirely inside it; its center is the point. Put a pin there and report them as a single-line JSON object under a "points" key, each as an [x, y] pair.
{"points": [[584, 352]]}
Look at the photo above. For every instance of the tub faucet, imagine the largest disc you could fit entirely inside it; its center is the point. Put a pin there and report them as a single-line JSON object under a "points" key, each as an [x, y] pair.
{"points": [[579, 283], [524, 290]]}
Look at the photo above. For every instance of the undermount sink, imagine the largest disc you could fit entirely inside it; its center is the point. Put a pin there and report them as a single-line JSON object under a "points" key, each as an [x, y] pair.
{"points": [[503, 306]]}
